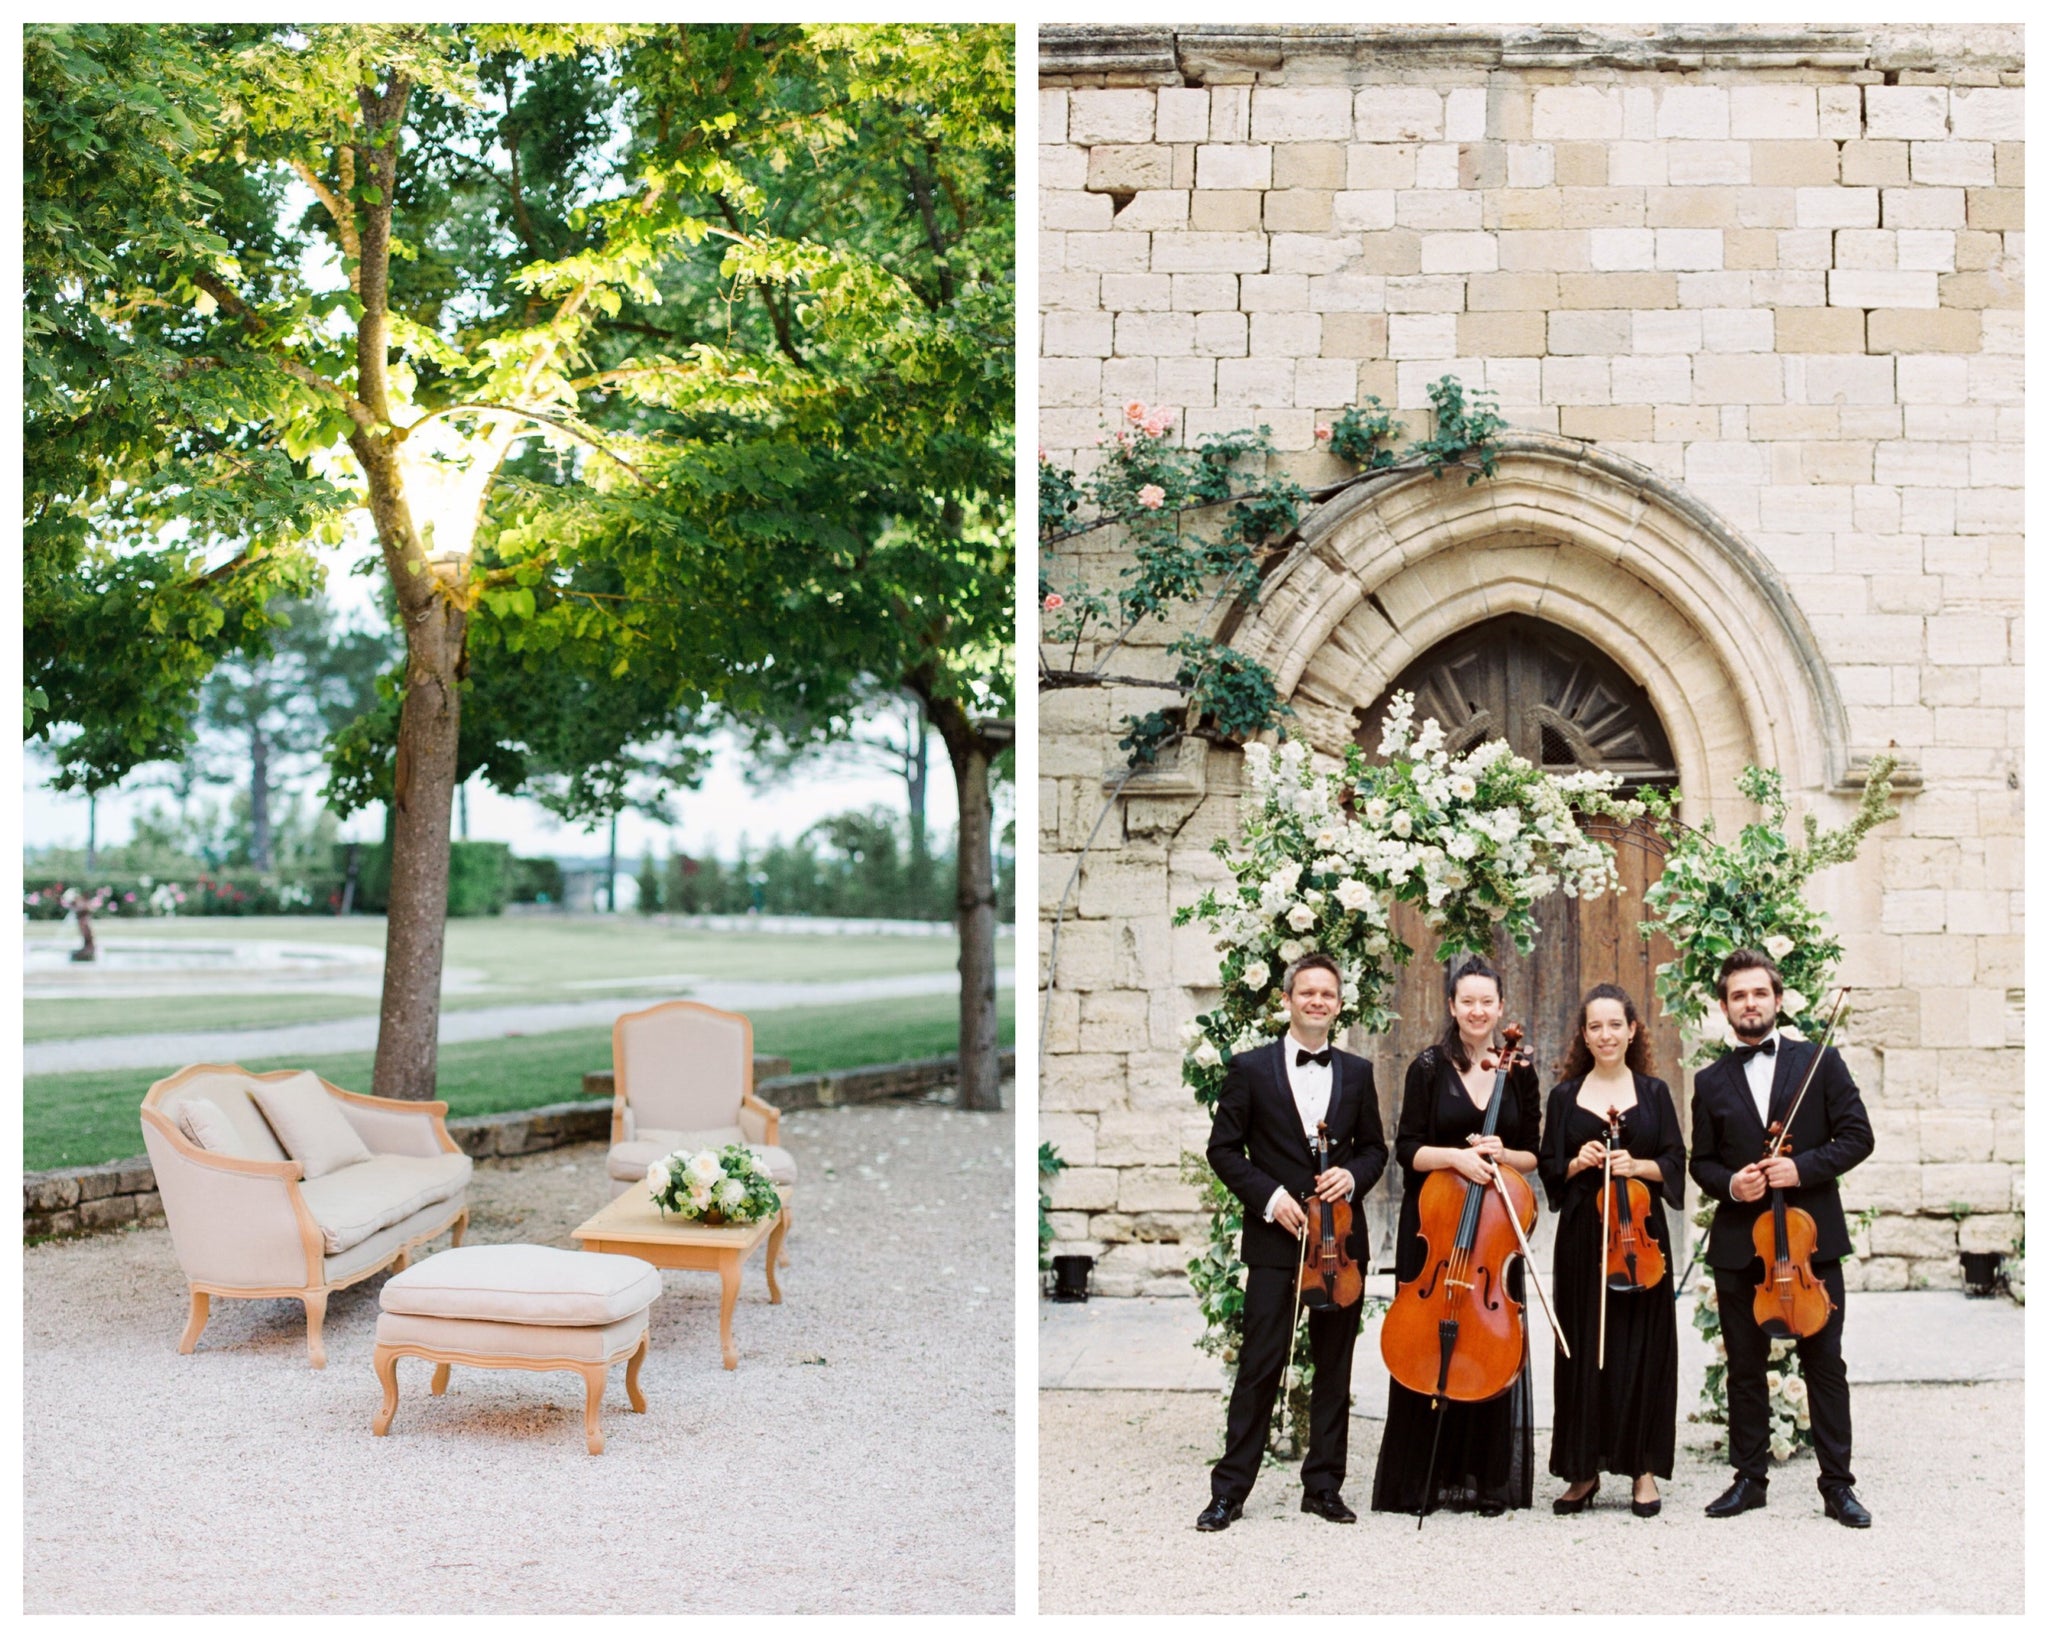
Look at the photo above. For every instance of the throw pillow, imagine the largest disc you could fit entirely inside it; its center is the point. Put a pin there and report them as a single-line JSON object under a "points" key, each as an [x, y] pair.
{"points": [[309, 1124]]}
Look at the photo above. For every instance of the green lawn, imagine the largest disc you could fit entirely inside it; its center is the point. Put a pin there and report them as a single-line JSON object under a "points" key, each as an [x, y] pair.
{"points": [[515, 960], [81, 1119]]}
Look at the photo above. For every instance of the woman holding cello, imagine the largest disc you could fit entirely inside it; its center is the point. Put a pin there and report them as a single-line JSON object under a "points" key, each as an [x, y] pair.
{"points": [[1484, 1451], [1613, 1154]]}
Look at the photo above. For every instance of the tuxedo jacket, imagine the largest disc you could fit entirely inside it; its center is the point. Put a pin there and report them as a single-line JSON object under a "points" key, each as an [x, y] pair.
{"points": [[1830, 1135], [1256, 1145]]}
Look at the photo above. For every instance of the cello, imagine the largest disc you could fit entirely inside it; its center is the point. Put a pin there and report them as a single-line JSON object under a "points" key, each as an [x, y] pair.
{"points": [[1455, 1331], [1790, 1299]]}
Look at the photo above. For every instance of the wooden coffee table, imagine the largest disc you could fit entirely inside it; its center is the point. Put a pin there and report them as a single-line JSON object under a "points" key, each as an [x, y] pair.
{"points": [[633, 1226]]}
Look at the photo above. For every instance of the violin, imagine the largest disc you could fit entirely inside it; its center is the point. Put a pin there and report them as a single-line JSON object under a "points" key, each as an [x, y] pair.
{"points": [[1630, 1259], [1790, 1299], [1454, 1332], [1330, 1275]]}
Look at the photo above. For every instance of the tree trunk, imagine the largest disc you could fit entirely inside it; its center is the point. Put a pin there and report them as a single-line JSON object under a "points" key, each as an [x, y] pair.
{"points": [[917, 770], [92, 838], [259, 798], [970, 750], [611, 869], [422, 797]]}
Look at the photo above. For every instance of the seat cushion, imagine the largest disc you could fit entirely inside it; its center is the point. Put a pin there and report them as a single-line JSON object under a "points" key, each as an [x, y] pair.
{"points": [[523, 1285], [309, 1123], [628, 1162], [584, 1344], [354, 1203]]}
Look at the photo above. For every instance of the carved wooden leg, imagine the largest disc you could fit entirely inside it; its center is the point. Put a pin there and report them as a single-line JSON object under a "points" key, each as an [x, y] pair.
{"points": [[633, 1365], [775, 1251], [593, 1401], [728, 1299], [386, 1360], [197, 1323], [461, 1227], [402, 1261], [440, 1382], [316, 1316]]}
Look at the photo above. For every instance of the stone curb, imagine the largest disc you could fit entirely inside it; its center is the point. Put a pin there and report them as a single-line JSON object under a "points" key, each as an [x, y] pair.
{"points": [[71, 1201]]}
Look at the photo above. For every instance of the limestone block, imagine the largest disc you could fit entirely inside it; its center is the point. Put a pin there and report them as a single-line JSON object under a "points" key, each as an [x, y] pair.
{"points": [[1989, 1231], [1314, 253], [1155, 335], [1198, 292], [1695, 111], [1136, 292], [1775, 112], [1734, 381], [1953, 164], [1052, 116], [1499, 334], [1071, 381], [1064, 167], [1576, 381], [1892, 1188], [1230, 113], [1966, 639], [1841, 110], [1875, 164], [2009, 1142], [1709, 164], [1226, 210], [1355, 335], [1147, 1137], [1987, 114], [1155, 1189], [1070, 1236], [1978, 251], [1750, 248], [1929, 249], [1459, 253], [1800, 165], [1641, 291], [1913, 1237], [1738, 330], [1278, 336], [1362, 210], [1077, 335], [1622, 249], [1786, 288], [1438, 210], [1115, 1021], [1182, 114], [1107, 252], [1867, 248], [1956, 1135], [1575, 113], [1073, 212], [1208, 253], [1422, 335], [1153, 210], [1934, 1274], [1601, 207], [1532, 164], [1524, 208], [1233, 165], [1122, 167], [1425, 293], [1905, 111], [1062, 1020], [1273, 292], [1309, 165], [1981, 1187], [1877, 1274], [1301, 114], [1552, 253], [1653, 380], [1398, 113], [1465, 114], [1924, 207], [1325, 383], [1084, 1188], [2000, 209], [1095, 117], [1595, 331], [1581, 164]]}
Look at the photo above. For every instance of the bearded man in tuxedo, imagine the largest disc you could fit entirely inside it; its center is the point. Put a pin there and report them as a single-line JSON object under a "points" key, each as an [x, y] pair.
{"points": [[1734, 1102], [1262, 1145]]}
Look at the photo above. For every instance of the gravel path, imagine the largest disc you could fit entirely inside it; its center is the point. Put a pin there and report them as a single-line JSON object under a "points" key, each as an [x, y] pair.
{"points": [[472, 1024], [862, 1457], [1122, 1476]]}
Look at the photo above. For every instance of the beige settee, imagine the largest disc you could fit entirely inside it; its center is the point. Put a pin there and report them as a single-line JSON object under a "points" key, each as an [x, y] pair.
{"points": [[246, 1221]]}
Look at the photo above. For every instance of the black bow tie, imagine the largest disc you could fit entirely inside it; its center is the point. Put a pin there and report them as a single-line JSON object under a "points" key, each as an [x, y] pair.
{"points": [[1303, 1056], [1768, 1047]]}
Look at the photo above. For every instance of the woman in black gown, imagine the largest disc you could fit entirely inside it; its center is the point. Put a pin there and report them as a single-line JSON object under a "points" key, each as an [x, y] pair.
{"points": [[1486, 1455], [1621, 1419]]}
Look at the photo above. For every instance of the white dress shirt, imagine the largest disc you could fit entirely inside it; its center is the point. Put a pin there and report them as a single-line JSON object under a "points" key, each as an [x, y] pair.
{"points": [[1310, 1084], [1760, 1070]]}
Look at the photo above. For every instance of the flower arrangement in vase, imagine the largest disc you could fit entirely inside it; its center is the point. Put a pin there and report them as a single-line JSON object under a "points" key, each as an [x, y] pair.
{"points": [[717, 1187]]}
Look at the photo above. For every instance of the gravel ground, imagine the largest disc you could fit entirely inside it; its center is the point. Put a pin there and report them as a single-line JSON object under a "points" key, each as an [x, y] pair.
{"points": [[1122, 1476], [862, 1457]]}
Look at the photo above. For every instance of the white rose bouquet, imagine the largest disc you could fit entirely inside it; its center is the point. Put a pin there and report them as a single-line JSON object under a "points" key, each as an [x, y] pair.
{"points": [[714, 1186]]}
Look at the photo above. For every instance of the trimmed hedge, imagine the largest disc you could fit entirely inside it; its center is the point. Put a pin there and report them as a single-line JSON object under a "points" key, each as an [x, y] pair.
{"points": [[480, 877]]}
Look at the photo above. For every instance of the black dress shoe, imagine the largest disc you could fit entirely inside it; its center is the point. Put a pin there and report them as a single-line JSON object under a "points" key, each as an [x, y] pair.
{"points": [[1327, 1504], [1218, 1514], [1739, 1497], [1843, 1507], [1646, 1509], [1575, 1504]]}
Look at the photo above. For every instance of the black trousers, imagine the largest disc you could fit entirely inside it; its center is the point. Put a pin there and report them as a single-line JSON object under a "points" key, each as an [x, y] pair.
{"points": [[1820, 1363], [1332, 1334]]}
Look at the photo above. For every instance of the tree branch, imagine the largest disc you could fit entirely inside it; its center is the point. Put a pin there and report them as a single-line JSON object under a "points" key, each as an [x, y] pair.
{"points": [[343, 213]]}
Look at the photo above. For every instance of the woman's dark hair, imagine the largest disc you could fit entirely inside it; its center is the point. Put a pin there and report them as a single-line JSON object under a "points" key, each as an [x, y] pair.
{"points": [[1578, 1062], [1452, 1044]]}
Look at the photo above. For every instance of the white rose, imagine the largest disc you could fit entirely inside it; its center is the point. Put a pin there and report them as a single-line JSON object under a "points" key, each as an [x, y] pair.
{"points": [[730, 1193], [700, 1197], [1778, 946], [1464, 789], [1401, 824], [1793, 1004], [1255, 974], [1353, 894], [1206, 1054], [1462, 845], [1291, 950], [657, 1177], [1376, 809], [704, 1167], [1301, 918]]}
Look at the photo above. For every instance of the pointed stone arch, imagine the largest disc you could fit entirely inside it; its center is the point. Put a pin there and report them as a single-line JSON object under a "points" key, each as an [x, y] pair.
{"points": [[1585, 539]]}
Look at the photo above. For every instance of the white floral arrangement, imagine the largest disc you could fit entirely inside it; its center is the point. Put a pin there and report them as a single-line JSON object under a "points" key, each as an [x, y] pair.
{"points": [[713, 1186]]}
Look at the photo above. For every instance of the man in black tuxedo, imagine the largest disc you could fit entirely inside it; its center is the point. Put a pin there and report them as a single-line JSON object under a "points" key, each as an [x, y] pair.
{"points": [[1734, 1102], [1262, 1145]]}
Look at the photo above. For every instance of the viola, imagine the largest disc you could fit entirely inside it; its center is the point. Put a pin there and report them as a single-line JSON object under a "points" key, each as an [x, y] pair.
{"points": [[1330, 1275], [1630, 1259]]}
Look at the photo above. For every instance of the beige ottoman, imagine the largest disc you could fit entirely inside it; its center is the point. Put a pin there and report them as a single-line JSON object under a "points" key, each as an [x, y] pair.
{"points": [[519, 1308]]}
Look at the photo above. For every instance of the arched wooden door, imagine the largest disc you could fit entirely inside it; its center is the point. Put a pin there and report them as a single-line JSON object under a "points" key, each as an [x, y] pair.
{"points": [[1561, 703]]}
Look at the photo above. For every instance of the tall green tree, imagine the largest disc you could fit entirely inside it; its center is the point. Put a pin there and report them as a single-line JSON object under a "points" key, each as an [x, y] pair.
{"points": [[617, 335]]}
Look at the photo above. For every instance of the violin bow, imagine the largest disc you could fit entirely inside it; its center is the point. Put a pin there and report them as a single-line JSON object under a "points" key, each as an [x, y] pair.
{"points": [[1784, 1138], [1600, 1271], [1529, 1261], [1287, 1375]]}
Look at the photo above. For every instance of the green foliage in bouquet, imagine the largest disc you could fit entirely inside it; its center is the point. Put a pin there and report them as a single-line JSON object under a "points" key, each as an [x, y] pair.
{"points": [[728, 1185]]}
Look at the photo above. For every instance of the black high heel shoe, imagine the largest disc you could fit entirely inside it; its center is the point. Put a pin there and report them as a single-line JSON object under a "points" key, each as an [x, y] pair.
{"points": [[1645, 1509], [1577, 1504]]}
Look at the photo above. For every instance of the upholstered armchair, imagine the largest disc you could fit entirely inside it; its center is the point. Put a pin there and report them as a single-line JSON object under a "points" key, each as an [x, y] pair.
{"points": [[295, 1202], [683, 1078]]}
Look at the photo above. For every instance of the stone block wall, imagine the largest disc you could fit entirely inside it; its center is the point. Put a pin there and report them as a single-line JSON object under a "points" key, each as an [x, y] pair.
{"points": [[1782, 269]]}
